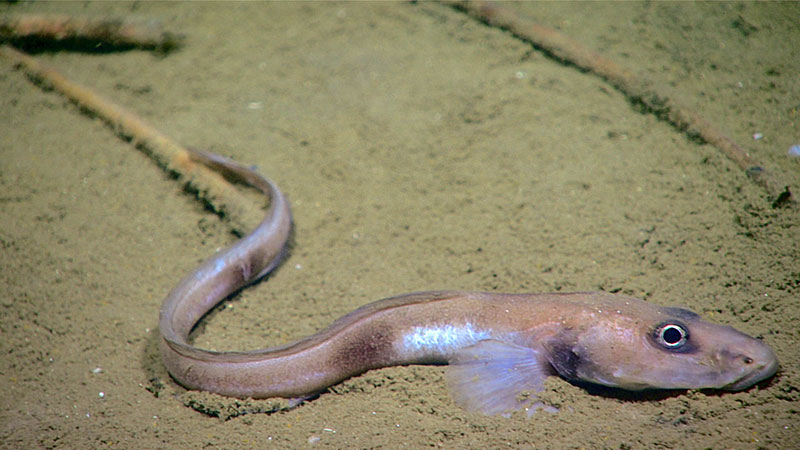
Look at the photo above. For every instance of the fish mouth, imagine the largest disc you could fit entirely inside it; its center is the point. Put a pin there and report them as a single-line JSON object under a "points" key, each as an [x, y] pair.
{"points": [[768, 369]]}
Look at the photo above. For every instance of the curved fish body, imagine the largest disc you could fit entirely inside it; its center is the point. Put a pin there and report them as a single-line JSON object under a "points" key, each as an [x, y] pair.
{"points": [[497, 346]]}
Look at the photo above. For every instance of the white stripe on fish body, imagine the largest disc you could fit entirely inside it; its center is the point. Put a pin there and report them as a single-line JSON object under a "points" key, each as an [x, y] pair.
{"points": [[441, 340]]}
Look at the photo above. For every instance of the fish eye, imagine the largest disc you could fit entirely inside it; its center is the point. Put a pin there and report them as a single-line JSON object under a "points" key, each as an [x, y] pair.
{"points": [[672, 335]]}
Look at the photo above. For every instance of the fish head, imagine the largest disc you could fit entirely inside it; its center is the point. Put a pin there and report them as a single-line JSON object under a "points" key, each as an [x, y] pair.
{"points": [[646, 346]]}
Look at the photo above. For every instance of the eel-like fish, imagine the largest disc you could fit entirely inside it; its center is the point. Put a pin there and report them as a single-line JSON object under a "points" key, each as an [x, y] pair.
{"points": [[499, 347]]}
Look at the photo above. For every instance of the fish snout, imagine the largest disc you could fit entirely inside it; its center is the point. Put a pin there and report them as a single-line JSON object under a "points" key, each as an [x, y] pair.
{"points": [[754, 363]]}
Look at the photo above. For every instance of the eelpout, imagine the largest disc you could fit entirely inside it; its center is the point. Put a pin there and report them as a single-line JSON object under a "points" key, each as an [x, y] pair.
{"points": [[498, 346]]}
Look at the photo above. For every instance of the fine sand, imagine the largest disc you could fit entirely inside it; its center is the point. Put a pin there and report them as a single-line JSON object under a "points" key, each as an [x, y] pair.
{"points": [[421, 150]]}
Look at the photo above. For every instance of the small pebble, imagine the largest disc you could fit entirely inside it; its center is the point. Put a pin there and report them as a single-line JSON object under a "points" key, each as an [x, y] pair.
{"points": [[794, 151]]}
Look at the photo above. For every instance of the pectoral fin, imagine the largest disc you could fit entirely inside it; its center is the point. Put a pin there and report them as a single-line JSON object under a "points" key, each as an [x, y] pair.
{"points": [[495, 377]]}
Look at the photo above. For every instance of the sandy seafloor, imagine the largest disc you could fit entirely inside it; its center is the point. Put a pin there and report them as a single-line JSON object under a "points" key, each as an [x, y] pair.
{"points": [[421, 150]]}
